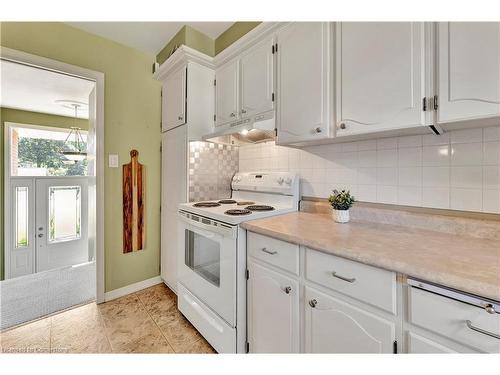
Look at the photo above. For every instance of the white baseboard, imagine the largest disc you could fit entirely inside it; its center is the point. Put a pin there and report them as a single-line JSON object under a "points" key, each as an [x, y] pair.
{"points": [[132, 288]]}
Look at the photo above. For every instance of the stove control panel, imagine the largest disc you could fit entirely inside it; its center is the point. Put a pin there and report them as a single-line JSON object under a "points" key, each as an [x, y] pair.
{"points": [[268, 182]]}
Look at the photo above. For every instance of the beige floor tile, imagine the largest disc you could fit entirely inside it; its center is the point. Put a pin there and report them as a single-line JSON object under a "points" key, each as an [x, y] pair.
{"points": [[177, 329], [200, 347], [30, 338], [79, 330], [157, 299]]}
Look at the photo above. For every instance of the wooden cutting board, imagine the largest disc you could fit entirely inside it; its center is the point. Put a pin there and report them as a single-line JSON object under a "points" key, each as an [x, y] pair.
{"points": [[133, 204]]}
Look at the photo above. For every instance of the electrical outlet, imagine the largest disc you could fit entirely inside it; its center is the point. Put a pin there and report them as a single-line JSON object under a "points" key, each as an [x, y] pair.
{"points": [[113, 161]]}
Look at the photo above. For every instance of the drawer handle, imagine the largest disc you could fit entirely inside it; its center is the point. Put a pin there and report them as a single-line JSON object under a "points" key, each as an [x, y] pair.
{"points": [[313, 303], [288, 289], [469, 324], [334, 274], [270, 252]]}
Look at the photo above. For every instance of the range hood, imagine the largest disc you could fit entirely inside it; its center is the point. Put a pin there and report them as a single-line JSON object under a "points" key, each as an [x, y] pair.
{"points": [[255, 129]]}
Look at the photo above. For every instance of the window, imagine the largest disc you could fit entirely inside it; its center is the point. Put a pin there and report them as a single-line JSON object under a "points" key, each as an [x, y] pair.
{"points": [[64, 213], [21, 217], [36, 151]]}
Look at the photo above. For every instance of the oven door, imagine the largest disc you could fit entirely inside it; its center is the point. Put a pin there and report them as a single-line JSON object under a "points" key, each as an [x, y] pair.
{"points": [[207, 262]]}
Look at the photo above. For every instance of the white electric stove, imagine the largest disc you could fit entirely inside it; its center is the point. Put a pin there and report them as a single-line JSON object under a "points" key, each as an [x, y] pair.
{"points": [[212, 254]]}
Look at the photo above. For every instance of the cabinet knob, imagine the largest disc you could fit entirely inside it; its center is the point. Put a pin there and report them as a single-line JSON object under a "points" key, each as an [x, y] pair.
{"points": [[288, 289], [232, 114], [342, 126], [318, 130], [180, 118], [313, 303]]}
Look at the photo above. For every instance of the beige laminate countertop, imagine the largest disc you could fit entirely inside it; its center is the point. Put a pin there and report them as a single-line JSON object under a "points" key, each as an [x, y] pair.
{"points": [[465, 263]]}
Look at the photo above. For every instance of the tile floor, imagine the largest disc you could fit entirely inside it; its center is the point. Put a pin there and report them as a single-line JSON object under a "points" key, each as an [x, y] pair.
{"points": [[144, 322]]}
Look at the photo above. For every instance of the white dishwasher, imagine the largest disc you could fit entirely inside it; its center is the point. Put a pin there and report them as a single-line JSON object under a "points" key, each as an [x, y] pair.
{"points": [[451, 316]]}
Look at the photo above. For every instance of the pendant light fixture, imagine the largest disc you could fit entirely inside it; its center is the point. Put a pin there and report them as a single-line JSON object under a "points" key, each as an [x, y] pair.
{"points": [[74, 152]]}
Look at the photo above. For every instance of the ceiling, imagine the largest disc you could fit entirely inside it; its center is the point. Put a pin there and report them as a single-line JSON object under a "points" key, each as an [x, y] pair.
{"points": [[38, 90], [148, 37]]}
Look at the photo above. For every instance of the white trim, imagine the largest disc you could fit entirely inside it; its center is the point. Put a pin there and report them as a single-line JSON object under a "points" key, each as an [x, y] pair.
{"points": [[180, 57], [132, 288], [98, 78]]}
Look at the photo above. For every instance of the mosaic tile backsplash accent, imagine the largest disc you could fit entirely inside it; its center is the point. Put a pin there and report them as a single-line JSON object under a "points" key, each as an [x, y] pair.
{"points": [[211, 168], [458, 170]]}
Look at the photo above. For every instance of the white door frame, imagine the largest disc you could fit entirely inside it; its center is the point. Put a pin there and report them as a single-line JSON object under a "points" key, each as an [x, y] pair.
{"points": [[98, 77]]}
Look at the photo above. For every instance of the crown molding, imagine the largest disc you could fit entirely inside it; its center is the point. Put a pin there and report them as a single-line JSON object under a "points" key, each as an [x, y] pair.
{"points": [[181, 57]]}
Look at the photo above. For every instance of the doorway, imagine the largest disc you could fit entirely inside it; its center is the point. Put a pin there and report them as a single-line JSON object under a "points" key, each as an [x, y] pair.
{"points": [[53, 212]]}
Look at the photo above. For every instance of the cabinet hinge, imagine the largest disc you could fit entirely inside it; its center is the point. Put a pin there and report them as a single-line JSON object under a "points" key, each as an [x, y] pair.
{"points": [[215, 82], [215, 117], [276, 48], [272, 49], [275, 132], [395, 347], [161, 92], [424, 104], [247, 274], [272, 97], [247, 347], [436, 105]]}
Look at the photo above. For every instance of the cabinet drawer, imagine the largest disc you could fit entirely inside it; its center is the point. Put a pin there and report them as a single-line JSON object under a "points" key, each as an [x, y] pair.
{"points": [[270, 250], [368, 284], [448, 317]]}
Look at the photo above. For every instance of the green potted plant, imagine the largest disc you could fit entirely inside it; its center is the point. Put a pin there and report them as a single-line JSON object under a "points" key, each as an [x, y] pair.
{"points": [[341, 201]]}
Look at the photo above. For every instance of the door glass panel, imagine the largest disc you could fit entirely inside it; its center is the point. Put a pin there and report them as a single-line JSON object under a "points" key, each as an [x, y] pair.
{"points": [[202, 255], [21, 219], [64, 213]]}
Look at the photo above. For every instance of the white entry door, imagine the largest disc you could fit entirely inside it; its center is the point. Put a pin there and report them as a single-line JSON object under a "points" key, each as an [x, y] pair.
{"points": [[61, 222]]}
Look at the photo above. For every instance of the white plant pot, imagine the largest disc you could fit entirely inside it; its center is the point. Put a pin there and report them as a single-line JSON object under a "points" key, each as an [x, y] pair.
{"points": [[341, 216]]}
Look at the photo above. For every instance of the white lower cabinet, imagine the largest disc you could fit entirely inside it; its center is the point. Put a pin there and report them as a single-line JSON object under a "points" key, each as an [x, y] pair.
{"points": [[423, 345], [334, 326], [273, 311]]}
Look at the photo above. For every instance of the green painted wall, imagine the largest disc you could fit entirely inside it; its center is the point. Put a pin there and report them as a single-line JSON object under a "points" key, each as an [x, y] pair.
{"points": [[32, 118], [131, 120], [231, 35], [201, 42]]}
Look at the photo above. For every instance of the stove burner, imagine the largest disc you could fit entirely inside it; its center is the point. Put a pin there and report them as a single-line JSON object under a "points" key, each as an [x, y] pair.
{"points": [[260, 207], [244, 203], [226, 201], [238, 212], [206, 204]]}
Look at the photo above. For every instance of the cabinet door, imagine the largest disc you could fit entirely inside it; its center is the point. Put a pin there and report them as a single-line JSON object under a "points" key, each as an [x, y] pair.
{"points": [[424, 345], [380, 76], [334, 326], [273, 311], [304, 82], [174, 100], [257, 79], [226, 93], [469, 70]]}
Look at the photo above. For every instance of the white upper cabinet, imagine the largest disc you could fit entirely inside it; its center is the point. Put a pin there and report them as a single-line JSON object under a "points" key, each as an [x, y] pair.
{"points": [[468, 70], [273, 311], [380, 76], [226, 93], [334, 326], [256, 68], [304, 82], [174, 100]]}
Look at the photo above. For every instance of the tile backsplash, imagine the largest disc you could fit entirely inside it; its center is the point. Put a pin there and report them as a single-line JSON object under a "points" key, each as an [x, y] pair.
{"points": [[459, 170], [211, 168]]}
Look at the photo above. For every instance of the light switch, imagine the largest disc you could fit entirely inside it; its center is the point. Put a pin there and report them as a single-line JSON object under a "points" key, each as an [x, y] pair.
{"points": [[113, 160]]}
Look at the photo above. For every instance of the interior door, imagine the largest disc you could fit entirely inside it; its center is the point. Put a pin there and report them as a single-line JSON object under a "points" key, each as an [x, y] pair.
{"points": [[61, 224], [226, 93], [174, 100], [273, 311], [21, 239], [380, 76], [304, 82], [334, 326], [469, 70], [257, 79]]}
